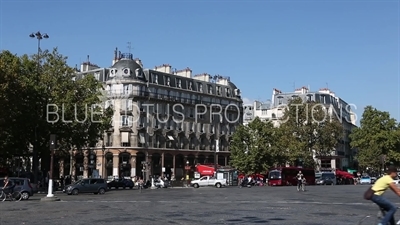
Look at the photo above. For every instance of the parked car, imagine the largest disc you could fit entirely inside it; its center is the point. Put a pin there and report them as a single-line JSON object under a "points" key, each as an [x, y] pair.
{"points": [[88, 185], [22, 185], [365, 180], [325, 181], [373, 179], [120, 183], [208, 181]]}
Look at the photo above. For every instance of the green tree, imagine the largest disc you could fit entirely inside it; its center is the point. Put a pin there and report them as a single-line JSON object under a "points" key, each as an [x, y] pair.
{"points": [[252, 147], [378, 135], [308, 128], [15, 98], [53, 102]]}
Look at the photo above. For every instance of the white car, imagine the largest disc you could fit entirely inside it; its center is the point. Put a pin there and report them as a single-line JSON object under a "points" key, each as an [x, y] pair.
{"points": [[397, 181], [208, 181], [365, 180]]}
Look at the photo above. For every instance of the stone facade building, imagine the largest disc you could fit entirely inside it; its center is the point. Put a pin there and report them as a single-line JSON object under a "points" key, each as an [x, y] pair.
{"points": [[273, 110], [163, 118]]}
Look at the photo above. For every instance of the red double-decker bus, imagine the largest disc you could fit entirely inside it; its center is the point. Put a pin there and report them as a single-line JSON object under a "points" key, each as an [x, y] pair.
{"points": [[286, 176]]}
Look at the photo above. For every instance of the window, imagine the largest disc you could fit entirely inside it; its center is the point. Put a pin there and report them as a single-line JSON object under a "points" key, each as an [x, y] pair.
{"points": [[218, 90], [109, 140], [141, 121], [191, 112], [228, 92], [127, 89], [200, 85], [190, 86], [168, 83], [126, 121], [280, 100], [155, 78], [210, 89], [323, 99], [179, 83], [264, 112], [97, 75]]}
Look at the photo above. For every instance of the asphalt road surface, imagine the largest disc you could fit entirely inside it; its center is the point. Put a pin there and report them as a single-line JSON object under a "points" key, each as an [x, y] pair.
{"points": [[319, 205]]}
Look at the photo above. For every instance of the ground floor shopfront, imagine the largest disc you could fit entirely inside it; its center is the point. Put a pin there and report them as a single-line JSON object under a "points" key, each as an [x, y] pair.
{"points": [[113, 162]]}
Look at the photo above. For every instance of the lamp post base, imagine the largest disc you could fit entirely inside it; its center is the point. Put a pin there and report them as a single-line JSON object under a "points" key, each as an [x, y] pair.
{"points": [[50, 199], [153, 186]]}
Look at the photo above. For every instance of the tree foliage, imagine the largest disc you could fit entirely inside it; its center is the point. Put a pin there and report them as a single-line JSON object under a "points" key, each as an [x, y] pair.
{"points": [[305, 130], [253, 147], [31, 94], [377, 136], [308, 129]]}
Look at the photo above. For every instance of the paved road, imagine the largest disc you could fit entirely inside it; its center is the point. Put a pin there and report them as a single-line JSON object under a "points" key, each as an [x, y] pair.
{"points": [[319, 205]]}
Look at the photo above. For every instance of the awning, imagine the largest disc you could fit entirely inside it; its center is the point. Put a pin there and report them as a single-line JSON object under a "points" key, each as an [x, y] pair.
{"points": [[170, 138], [205, 170], [344, 174], [125, 137]]}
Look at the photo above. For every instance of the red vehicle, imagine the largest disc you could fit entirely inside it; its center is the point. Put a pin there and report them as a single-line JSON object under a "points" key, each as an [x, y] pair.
{"points": [[286, 176], [205, 170]]}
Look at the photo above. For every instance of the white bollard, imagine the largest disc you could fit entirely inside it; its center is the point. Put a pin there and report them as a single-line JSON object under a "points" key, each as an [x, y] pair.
{"points": [[50, 189]]}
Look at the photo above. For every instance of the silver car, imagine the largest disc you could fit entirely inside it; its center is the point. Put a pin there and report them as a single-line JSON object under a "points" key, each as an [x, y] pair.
{"points": [[22, 185], [87, 185]]}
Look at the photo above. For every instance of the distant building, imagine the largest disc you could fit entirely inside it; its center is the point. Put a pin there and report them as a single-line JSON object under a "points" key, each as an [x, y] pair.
{"points": [[143, 129], [273, 110]]}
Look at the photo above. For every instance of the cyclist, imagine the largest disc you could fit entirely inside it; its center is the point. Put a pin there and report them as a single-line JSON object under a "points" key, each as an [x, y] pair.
{"points": [[300, 178], [8, 186], [379, 188]]}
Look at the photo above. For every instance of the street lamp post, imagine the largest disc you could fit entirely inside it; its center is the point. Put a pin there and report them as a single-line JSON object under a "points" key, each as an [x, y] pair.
{"points": [[103, 166], [187, 167], [216, 156], [35, 161], [50, 196]]}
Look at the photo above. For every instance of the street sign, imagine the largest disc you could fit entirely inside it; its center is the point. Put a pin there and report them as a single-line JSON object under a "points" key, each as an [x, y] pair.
{"points": [[216, 145]]}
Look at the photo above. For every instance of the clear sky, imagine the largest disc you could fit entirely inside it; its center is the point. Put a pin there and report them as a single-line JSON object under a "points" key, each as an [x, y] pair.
{"points": [[351, 47]]}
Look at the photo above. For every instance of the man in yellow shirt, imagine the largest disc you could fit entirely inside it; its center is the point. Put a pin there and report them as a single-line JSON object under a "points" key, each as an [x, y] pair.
{"points": [[379, 188]]}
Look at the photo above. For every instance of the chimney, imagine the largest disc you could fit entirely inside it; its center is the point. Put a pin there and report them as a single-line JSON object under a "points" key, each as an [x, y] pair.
{"points": [[203, 77], [184, 73], [165, 68], [119, 55], [276, 92], [223, 80]]}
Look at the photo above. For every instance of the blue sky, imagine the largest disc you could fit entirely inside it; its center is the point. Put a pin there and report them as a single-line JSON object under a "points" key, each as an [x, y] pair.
{"points": [[352, 47]]}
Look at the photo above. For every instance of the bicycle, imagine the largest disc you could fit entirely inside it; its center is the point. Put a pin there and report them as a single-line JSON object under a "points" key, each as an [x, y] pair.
{"points": [[301, 186], [12, 196], [380, 215]]}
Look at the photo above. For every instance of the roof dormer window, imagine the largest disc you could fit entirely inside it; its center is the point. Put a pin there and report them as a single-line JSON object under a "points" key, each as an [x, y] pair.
{"points": [[210, 89], [168, 83], [190, 85], [200, 85], [218, 90], [155, 78], [179, 83]]}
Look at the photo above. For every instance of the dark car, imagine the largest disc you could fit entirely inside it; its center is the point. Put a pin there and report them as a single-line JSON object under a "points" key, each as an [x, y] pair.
{"points": [[121, 183], [22, 185], [325, 181], [89, 185]]}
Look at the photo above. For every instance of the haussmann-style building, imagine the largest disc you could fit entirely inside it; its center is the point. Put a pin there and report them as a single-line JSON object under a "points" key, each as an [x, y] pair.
{"points": [[343, 156], [160, 123]]}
